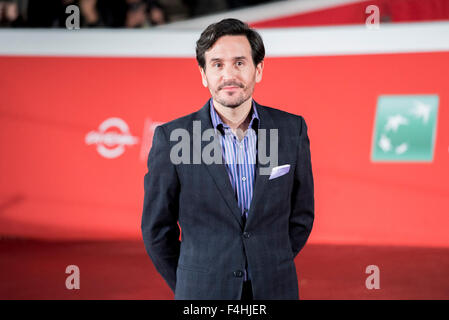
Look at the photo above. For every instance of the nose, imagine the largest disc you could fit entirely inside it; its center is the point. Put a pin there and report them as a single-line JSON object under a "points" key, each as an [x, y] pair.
{"points": [[229, 72]]}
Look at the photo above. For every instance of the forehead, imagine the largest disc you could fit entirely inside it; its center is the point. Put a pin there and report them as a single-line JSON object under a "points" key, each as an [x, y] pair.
{"points": [[228, 47]]}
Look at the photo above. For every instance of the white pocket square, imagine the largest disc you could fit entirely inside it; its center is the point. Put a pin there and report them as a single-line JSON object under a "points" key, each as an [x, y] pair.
{"points": [[276, 172]]}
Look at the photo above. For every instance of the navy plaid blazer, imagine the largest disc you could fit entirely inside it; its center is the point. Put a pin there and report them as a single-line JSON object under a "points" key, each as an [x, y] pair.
{"points": [[215, 244]]}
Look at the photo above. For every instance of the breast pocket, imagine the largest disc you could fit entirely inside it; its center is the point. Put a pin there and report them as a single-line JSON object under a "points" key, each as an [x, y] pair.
{"points": [[281, 172]]}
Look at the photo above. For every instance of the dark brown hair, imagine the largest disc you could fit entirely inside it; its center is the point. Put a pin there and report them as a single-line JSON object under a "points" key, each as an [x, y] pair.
{"points": [[232, 27]]}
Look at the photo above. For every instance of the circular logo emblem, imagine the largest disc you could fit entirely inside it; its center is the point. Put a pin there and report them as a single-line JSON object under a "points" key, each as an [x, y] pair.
{"points": [[111, 138]]}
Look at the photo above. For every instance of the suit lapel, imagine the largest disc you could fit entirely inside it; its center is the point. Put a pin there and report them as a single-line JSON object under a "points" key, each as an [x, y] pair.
{"points": [[218, 171], [267, 123], [220, 175]]}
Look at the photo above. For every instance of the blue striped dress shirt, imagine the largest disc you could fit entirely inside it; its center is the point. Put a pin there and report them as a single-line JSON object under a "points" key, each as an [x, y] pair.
{"points": [[239, 157]]}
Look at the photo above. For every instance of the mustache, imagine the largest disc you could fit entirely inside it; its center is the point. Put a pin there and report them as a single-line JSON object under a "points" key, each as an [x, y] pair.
{"points": [[231, 84]]}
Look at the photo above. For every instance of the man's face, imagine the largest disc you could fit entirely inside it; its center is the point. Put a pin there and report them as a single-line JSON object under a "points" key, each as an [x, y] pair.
{"points": [[229, 71]]}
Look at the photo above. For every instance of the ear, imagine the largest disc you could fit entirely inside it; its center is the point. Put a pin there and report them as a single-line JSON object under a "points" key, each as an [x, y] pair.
{"points": [[259, 71], [203, 77]]}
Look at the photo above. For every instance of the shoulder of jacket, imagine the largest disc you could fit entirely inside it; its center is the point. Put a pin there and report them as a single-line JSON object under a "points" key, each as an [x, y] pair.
{"points": [[280, 113]]}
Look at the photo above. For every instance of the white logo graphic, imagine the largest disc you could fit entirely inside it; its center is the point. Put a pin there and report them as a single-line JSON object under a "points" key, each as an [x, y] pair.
{"points": [[401, 148], [405, 128], [111, 144], [394, 122], [421, 110], [385, 143]]}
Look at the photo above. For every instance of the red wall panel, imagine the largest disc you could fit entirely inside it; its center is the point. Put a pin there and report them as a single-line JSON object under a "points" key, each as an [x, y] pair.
{"points": [[54, 185]]}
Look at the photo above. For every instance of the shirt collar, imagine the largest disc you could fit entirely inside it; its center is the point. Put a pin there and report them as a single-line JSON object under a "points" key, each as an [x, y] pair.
{"points": [[219, 125]]}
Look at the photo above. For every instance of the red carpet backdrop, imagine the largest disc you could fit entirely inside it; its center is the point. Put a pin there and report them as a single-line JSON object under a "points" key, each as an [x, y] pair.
{"points": [[78, 110], [75, 134]]}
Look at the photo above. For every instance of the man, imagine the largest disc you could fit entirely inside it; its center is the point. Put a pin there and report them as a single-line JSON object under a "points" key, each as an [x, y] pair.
{"points": [[241, 227]]}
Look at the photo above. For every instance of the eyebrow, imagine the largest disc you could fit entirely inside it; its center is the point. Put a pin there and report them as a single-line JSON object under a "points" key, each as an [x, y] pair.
{"points": [[234, 58]]}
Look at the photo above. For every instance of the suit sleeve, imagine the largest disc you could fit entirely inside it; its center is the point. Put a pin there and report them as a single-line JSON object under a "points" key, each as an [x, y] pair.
{"points": [[303, 205], [160, 229]]}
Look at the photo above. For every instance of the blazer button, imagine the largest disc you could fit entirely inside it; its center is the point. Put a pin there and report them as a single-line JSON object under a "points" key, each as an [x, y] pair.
{"points": [[238, 273], [246, 235]]}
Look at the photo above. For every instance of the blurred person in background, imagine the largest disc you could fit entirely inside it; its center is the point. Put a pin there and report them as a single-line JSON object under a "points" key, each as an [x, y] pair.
{"points": [[96, 13], [11, 13], [128, 13], [47, 14], [143, 12], [204, 7], [234, 4], [111, 13]]}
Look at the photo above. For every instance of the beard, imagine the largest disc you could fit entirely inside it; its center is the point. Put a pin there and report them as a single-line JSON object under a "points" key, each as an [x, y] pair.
{"points": [[232, 99], [232, 103]]}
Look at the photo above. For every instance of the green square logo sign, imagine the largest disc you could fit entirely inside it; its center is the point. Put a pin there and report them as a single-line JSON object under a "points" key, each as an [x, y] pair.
{"points": [[405, 128]]}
